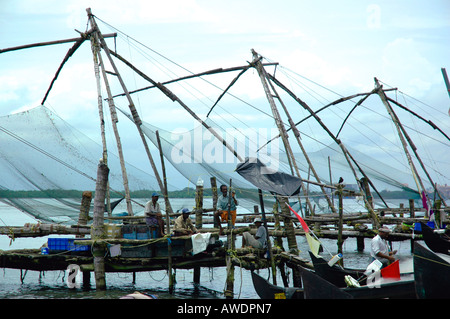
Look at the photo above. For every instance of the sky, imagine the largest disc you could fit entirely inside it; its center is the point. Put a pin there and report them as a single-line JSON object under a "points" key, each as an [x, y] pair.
{"points": [[342, 45]]}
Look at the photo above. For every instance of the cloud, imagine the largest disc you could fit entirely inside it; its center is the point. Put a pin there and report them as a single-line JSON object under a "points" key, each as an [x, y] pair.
{"points": [[405, 65]]}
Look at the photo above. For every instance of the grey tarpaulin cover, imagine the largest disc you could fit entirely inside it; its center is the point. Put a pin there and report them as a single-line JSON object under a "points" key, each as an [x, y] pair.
{"points": [[257, 173]]}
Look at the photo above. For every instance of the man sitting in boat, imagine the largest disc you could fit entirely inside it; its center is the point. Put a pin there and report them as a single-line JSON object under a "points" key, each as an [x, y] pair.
{"points": [[380, 249], [183, 224], [153, 216], [222, 207], [260, 238]]}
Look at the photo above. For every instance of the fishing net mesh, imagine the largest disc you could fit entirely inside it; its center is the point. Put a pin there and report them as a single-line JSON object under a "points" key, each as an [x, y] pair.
{"points": [[41, 155]]}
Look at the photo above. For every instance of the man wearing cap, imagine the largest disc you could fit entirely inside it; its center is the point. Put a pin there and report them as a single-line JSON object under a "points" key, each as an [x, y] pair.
{"points": [[380, 248], [153, 216], [183, 224], [260, 238]]}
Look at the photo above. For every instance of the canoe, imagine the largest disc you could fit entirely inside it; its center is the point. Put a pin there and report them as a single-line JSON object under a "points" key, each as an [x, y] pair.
{"points": [[439, 243], [266, 290], [431, 273], [335, 274], [315, 287]]}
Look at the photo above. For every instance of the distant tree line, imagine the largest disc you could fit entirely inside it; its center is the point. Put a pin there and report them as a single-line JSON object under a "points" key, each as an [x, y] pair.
{"points": [[187, 192]]}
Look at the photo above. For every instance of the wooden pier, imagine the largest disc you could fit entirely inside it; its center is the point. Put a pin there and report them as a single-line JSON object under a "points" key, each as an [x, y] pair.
{"points": [[223, 254]]}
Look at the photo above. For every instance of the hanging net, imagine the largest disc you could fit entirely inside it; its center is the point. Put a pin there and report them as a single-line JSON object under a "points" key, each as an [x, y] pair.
{"points": [[45, 165]]}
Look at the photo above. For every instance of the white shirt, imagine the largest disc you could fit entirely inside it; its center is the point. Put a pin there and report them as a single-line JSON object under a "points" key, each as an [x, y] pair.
{"points": [[150, 208], [378, 245]]}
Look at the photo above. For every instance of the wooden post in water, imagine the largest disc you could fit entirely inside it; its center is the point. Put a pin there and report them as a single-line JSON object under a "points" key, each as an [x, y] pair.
{"points": [[98, 231], [199, 204], [231, 246], [168, 212], [291, 239], [214, 198], [340, 242], [412, 214], [198, 222], [269, 244], [86, 200]]}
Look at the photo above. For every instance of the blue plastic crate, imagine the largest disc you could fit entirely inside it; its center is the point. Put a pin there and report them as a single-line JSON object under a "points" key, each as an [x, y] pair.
{"points": [[58, 244], [63, 244], [129, 232], [73, 247]]}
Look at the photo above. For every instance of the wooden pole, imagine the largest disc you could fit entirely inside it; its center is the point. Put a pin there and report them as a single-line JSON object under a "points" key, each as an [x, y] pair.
{"points": [[84, 210], [95, 51], [269, 244], [214, 197], [340, 242], [402, 137], [263, 77], [114, 120], [199, 205], [40, 44], [174, 98], [297, 137], [339, 142], [168, 212], [136, 119], [231, 246], [290, 233], [98, 231]]}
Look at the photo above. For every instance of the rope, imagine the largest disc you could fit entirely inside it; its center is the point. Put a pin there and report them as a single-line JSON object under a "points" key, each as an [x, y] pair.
{"points": [[432, 260]]}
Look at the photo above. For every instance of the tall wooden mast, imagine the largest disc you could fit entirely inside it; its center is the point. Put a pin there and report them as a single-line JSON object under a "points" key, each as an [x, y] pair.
{"points": [[262, 74], [402, 135], [133, 110]]}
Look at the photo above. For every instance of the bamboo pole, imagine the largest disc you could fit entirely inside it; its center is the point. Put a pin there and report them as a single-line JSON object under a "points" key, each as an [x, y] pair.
{"points": [[210, 72], [340, 241], [262, 74], [114, 121], [402, 137], [98, 231], [134, 113], [297, 137], [339, 142], [174, 98], [95, 51], [168, 207], [269, 244], [66, 58], [231, 245], [39, 44]]}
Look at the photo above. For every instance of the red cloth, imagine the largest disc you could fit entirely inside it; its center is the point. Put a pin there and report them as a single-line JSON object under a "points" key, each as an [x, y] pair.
{"points": [[305, 227], [392, 271]]}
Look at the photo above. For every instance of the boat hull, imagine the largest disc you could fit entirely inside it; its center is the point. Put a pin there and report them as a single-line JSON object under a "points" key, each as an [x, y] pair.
{"points": [[266, 290], [431, 274], [435, 241], [335, 274]]}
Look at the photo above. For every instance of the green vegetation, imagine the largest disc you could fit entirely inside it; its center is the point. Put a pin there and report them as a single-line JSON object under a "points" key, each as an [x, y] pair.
{"points": [[184, 193]]}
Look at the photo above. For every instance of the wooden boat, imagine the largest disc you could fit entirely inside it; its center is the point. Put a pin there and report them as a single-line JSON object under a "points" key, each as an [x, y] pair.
{"points": [[335, 274], [431, 273], [315, 287], [439, 243], [266, 290]]}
